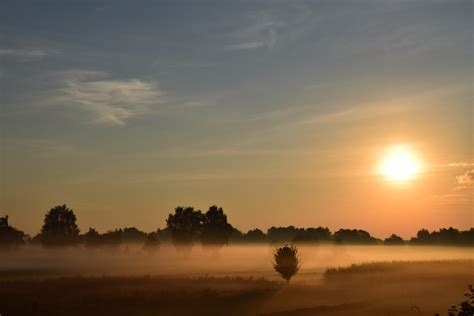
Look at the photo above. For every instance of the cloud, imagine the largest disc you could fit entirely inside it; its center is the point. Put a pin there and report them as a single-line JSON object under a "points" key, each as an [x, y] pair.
{"points": [[107, 101], [261, 30], [371, 109], [196, 104], [461, 164], [28, 53], [356, 113], [467, 178], [268, 28], [462, 193], [246, 45]]}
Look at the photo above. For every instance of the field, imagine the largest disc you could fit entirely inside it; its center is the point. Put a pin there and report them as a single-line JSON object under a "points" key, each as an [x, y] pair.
{"points": [[238, 281]]}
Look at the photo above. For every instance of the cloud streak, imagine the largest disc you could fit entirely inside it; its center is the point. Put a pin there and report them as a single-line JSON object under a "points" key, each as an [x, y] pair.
{"points": [[467, 178], [107, 101], [461, 164], [270, 28], [261, 31], [246, 45], [27, 53]]}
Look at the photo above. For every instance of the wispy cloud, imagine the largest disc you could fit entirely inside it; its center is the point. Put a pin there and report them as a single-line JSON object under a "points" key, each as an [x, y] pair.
{"points": [[460, 164], [359, 112], [348, 112], [268, 28], [28, 53], [461, 194], [260, 30], [108, 101], [246, 45], [466, 179], [197, 104]]}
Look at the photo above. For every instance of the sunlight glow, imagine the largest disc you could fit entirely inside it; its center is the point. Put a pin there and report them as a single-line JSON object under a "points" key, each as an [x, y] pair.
{"points": [[399, 165]]}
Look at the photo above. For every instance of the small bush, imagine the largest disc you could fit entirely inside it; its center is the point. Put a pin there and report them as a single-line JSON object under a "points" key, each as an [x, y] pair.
{"points": [[465, 308], [286, 261]]}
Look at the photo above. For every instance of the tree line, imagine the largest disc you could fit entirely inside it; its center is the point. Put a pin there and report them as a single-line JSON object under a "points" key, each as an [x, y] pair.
{"points": [[187, 226]]}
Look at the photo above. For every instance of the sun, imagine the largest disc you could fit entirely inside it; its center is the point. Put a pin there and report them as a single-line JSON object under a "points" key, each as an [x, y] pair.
{"points": [[399, 165]]}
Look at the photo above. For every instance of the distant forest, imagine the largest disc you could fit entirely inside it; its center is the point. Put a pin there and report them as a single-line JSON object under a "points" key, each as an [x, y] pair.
{"points": [[188, 226]]}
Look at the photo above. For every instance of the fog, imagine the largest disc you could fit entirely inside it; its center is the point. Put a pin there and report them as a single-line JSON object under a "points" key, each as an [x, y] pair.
{"points": [[419, 278], [239, 260]]}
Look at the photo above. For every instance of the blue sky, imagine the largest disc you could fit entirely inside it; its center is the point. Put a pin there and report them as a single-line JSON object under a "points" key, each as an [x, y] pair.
{"points": [[132, 108]]}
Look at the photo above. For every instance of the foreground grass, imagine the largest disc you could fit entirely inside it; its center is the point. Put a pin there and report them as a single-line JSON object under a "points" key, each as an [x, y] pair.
{"points": [[379, 288], [415, 268], [133, 296], [371, 289]]}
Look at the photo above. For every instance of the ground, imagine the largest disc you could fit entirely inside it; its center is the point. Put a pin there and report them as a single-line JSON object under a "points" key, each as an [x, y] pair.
{"points": [[384, 288]]}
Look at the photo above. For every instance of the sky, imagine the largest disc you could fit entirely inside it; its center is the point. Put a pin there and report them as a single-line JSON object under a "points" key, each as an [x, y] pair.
{"points": [[278, 111]]}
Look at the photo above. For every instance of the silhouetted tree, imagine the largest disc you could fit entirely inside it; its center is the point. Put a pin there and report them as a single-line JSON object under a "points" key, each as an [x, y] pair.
{"points": [[216, 230], [10, 237], [152, 241], [422, 237], [394, 240], [444, 236], [164, 235], [291, 234], [318, 234], [185, 227], [450, 236], [112, 238], [59, 228], [467, 237], [283, 234], [255, 235], [353, 236], [36, 240], [236, 236], [92, 238], [286, 261], [132, 235]]}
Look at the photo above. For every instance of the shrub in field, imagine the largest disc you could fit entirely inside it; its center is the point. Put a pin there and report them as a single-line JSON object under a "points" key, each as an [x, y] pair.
{"points": [[286, 261]]}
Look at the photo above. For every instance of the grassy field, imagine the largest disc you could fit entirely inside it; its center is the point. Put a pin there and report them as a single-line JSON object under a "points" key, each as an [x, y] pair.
{"points": [[381, 288]]}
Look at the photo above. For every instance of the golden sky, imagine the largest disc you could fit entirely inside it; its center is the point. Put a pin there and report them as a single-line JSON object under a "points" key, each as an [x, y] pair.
{"points": [[281, 113]]}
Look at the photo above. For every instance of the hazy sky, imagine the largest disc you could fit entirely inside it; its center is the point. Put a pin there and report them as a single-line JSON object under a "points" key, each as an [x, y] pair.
{"points": [[279, 111]]}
